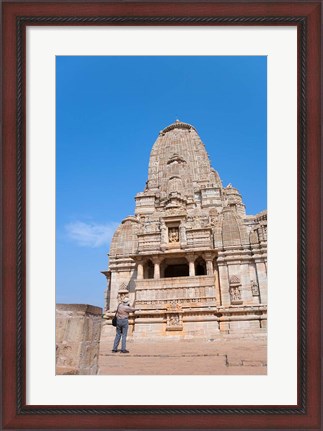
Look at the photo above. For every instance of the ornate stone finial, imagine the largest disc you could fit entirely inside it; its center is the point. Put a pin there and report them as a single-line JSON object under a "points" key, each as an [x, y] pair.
{"points": [[178, 125]]}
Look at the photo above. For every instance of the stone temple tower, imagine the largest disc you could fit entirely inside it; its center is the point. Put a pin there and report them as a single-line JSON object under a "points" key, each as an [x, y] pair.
{"points": [[189, 258]]}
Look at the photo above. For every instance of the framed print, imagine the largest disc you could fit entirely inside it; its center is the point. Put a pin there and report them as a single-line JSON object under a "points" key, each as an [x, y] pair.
{"points": [[47, 47]]}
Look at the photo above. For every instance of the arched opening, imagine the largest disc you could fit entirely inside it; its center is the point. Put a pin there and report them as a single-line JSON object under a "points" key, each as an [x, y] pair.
{"points": [[174, 268], [200, 266], [149, 269]]}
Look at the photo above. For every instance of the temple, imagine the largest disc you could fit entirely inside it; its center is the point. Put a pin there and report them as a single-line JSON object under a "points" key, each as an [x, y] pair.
{"points": [[190, 259]]}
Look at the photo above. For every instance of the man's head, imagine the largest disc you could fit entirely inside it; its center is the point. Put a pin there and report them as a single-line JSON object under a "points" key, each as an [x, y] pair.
{"points": [[125, 300]]}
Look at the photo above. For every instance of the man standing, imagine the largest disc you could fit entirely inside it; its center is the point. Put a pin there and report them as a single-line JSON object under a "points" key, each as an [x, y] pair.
{"points": [[123, 311]]}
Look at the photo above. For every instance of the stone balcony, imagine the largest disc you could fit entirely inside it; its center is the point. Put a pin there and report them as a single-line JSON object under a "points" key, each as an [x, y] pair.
{"points": [[189, 291], [175, 282]]}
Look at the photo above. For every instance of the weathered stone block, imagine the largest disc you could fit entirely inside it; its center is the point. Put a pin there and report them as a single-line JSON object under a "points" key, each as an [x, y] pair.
{"points": [[78, 330]]}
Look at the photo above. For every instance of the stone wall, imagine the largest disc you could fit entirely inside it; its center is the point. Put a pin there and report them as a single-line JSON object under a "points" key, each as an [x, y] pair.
{"points": [[78, 331]]}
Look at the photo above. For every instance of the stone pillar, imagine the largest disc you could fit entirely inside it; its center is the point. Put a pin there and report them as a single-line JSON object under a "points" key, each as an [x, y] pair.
{"points": [[182, 234], [107, 290], [262, 280], [217, 287], [192, 268], [209, 263], [156, 270], [224, 283], [156, 262], [78, 331], [140, 271], [163, 235], [246, 293], [224, 326], [209, 267], [191, 260], [115, 282]]}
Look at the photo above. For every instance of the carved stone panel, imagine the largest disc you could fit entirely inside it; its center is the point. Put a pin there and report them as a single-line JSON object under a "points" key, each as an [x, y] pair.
{"points": [[174, 317], [235, 290], [254, 288], [173, 234]]}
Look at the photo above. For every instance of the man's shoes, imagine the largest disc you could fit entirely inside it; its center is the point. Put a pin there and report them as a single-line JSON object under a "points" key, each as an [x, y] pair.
{"points": [[125, 351], [114, 351]]}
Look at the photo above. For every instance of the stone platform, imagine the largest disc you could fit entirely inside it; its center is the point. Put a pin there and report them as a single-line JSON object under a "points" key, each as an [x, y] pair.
{"points": [[225, 355]]}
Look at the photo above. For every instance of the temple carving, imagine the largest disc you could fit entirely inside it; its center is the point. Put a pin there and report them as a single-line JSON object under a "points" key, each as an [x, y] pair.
{"points": [[189, 258]]}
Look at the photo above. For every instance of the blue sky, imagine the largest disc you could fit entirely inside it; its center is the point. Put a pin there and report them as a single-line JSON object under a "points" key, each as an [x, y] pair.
{"points": [[109, 111]]}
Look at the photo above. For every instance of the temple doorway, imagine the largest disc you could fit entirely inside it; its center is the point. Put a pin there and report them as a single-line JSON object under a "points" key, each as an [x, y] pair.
{"points": [[177, 271], [174, 268]]}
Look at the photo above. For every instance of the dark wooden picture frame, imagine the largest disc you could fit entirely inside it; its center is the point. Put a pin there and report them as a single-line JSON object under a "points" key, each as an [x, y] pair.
{"points": [[16, 414]]}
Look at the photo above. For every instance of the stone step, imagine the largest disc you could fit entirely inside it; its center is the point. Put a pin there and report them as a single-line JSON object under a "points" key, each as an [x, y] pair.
{"points": [[228, 356]]}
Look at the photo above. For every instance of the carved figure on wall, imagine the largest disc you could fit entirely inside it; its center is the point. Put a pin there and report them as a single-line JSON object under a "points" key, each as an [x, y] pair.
{"points": [[174, 320], [173, 235], [235, 294], [212, 220], [174, 317], [254, 288]]}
